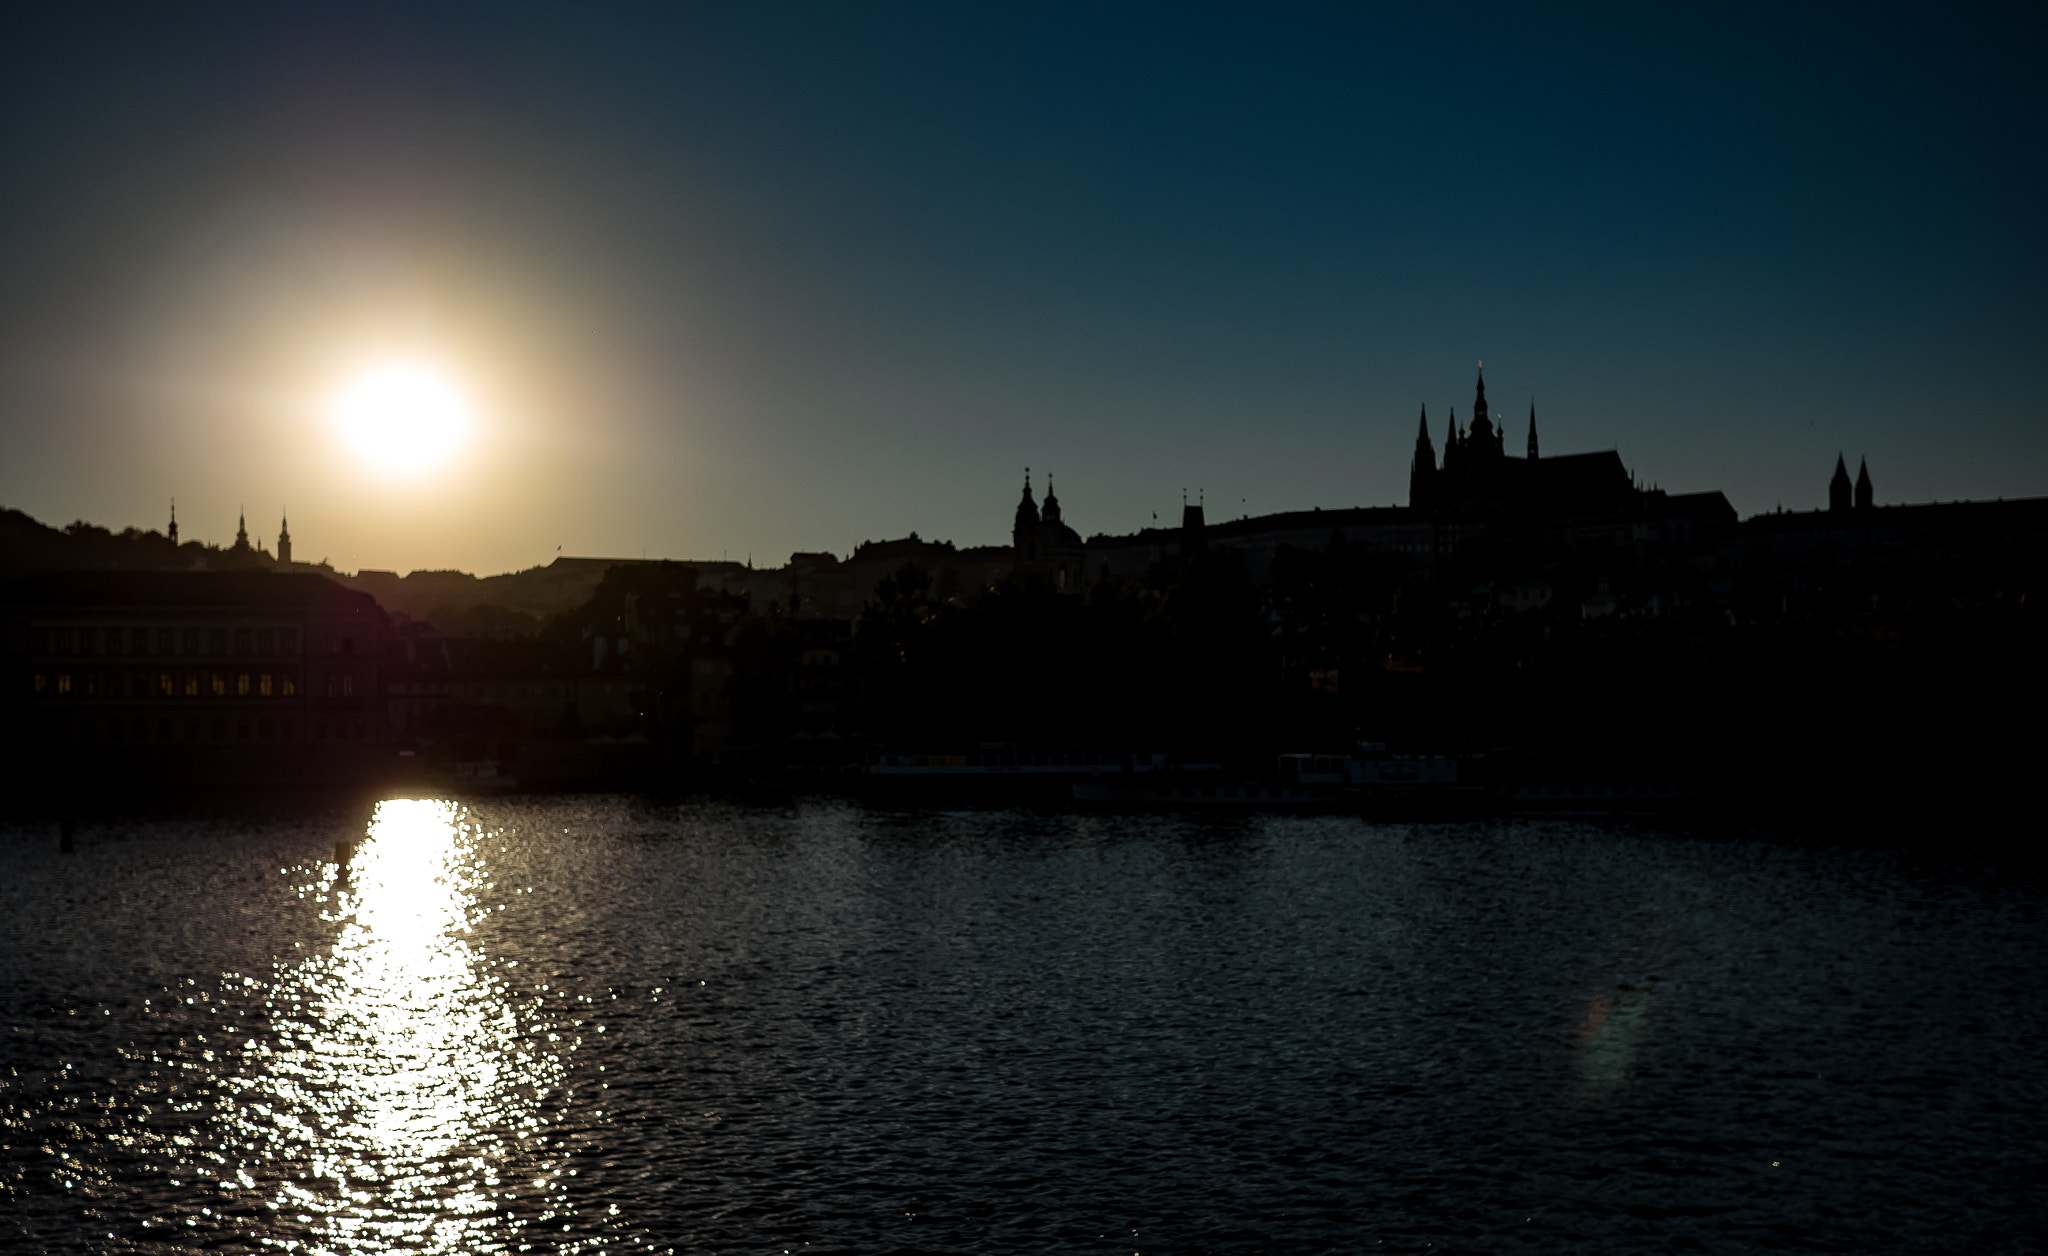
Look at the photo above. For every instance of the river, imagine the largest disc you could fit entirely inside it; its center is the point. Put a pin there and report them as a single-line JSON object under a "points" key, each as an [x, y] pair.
{"points": [[614, 1024]]}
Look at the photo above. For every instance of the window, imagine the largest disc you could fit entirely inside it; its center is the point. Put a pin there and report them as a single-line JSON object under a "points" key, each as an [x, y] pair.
{"points": [[242, 685], [263, 685], [41, 681], [266, 641], [348, 684], [138, 641], [288, 641], [333, 685], [243, 642], [220, 685], [191, 684], [166, 641], [163, 684], [42, 641], [219, 644], [286, 685], [191, 641]]}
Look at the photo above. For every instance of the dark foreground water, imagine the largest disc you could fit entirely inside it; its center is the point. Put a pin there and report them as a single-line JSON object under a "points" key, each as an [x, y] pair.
{"points": [[577, 1025]]}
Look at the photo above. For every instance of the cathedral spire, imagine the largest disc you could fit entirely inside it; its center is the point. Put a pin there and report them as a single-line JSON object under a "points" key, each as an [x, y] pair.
{"points": [[174, 521], [1865, 498], [284, 538], [1840, 494], [242, 531], [1482, 426], [1532, 429], [1422, 471], [1051, 511]]}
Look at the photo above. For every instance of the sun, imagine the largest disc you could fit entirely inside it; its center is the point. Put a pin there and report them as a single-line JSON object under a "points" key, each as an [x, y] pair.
{"points": [[403, 418]]}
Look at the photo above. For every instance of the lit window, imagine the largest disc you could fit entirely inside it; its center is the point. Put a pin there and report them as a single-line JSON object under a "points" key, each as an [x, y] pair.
{"points": [[191, 684], [63, 682], [263, 684], [348, 684], [242, 685], [287, 686], [220, 686], [163, 684], [41, 680]]}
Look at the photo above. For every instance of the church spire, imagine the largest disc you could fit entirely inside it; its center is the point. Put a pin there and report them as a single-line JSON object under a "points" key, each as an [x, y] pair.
{"points": [[284, 538], [1840, 494], [1051, 511], [1027, 509], [1865, 498], [242, 531], [174, 521], [1532, 429]]}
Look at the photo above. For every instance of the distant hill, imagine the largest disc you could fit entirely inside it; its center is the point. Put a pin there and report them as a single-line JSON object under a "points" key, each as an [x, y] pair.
{"points": [[462, 604]]}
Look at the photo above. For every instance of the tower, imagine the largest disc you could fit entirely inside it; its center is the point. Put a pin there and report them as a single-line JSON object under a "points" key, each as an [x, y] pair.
{"points": [[1024, 532], [1839, 492], [1532, 431], [174, 521], [284, 539], [1864, 495], [1194, 529], [1485, 441], [1050, 513], [242, 533], [1422, 471]]}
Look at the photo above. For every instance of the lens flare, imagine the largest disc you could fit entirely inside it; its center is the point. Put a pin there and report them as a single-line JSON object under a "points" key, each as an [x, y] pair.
{"points": [[403, 418]]}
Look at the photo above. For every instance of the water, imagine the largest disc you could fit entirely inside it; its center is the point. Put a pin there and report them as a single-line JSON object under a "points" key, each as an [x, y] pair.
{"points": [[608, 1025]]}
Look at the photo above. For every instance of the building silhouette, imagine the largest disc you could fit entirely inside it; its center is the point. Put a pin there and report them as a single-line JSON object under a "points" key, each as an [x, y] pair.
{"points": [[187, 676], [1042, 543]]}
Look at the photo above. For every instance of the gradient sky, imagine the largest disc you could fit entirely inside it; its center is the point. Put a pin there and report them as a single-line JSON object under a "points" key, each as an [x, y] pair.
{"points": [[750, 279]]}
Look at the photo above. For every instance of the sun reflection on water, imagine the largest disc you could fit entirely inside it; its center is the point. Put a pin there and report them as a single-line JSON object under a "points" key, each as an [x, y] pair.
{"points": [[397, 1093]]}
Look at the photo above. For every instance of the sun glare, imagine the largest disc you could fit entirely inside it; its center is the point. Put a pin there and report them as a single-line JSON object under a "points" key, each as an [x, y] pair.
{"points": [[402, 418]]}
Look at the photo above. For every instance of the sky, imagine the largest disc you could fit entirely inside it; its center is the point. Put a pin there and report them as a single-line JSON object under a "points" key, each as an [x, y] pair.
{"points": [[740, 280]]}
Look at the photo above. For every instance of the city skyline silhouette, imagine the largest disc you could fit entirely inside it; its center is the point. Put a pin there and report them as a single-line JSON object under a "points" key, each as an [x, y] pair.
{"points": [[719, 283]]}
